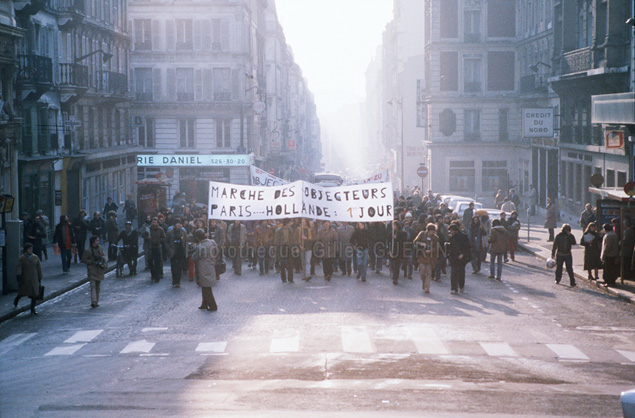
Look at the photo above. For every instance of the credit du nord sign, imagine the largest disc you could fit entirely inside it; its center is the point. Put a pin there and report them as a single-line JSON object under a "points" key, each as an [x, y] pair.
{"points": [[538, 122]]}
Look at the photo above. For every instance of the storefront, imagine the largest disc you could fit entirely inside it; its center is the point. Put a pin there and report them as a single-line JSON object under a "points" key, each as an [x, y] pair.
{"points": [[190, 173]]}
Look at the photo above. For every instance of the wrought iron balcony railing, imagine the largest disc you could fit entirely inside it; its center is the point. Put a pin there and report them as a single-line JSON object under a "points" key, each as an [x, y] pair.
{"points": [[73, 75], [112, 82], [35, 69]]}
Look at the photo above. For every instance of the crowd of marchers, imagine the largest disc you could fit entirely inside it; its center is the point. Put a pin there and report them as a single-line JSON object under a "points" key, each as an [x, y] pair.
{"points": [[425, 236]]}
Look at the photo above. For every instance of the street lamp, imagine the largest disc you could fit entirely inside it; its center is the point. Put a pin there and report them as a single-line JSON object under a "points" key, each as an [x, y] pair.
{"points": [[400, 102], [105, 57], [534, 67]]}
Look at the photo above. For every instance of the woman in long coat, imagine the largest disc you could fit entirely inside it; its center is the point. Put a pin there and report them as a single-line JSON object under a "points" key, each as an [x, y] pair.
{"points": [[96, 264], [592, 242], [30, 272], [205, 257]]}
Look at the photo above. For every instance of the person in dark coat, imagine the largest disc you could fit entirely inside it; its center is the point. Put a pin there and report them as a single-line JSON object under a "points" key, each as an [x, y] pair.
{"points": [[80, 228], [110, 206], [592, 242], [157, 239], [34, 233], [96, 265], [362, 241], [459, 254], [64, 238], [130, 241], [29, 277], [561, 251], [112, 232], [176, 243], [377, 252], [396, 250], [97, 225]]}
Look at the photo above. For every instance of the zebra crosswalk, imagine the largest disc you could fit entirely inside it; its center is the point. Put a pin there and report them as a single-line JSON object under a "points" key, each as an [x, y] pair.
{"points": [[410, 339]]}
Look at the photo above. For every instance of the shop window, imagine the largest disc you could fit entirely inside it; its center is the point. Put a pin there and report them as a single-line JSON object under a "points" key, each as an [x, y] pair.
{"points": [[494, 176], [462, 176]]}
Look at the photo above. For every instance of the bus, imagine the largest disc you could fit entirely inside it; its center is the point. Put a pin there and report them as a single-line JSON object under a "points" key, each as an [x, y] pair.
{"points": [[327, 179]]}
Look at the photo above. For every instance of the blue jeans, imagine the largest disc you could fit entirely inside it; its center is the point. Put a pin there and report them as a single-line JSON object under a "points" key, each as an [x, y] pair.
{"points": [[362, 263], [496, 260], [66, 259]]}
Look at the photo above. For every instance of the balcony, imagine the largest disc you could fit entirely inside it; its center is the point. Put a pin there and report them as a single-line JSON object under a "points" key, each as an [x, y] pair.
{"points": [[35, 69], [71, 13], [142, 96], [112, 82], [575, 61], [74, 75], [472, 87]]}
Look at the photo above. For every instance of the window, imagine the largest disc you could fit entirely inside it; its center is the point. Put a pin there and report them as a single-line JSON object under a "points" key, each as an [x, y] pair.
{"points": [[143, 84], [184, 34], [462, 176], [501, 19], [447, 122], [143, 34], [471, 74], [223, 133], [220, 35], [472, 26], [584, 26], [449, 17], [186, 133], [449, 71], [500, 70], [184, 84], [494, 175], [146, 134], [610, 178], [472, 128], [222, 84], [621, 178]]}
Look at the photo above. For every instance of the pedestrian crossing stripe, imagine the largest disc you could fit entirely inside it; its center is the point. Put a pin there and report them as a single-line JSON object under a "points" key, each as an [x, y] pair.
{"points": [[353, 339]]}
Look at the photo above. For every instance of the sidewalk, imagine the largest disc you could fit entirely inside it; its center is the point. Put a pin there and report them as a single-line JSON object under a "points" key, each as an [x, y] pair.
{"points": [[539, 247], [55, 282]]}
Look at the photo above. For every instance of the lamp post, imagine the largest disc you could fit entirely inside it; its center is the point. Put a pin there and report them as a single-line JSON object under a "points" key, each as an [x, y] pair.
{"points": [[105, 57]]}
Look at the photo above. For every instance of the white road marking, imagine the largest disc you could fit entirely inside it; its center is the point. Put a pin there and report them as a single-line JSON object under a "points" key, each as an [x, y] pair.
{"points": [[567, 352], [628, 354], [356, 340], [498, 350], [285, 341], [150, 329], [14, 341], [142, 346], [65, 350], [215, 347], [83, 336], [427, 341]]}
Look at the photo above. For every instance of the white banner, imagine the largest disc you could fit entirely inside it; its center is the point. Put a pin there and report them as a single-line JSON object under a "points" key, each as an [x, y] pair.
{"points": [[260, 177], [358, 203], [381, 177]]}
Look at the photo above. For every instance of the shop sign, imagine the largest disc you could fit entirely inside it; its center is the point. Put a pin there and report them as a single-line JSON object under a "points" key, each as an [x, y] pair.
{"points": [[538, 122], [229, 160]]}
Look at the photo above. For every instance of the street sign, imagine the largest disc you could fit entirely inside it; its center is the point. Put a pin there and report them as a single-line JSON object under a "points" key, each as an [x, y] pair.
{"points": [[160, 176], [629, 188], [259, 107], [597, 180], [6, 203], [422, 171]]}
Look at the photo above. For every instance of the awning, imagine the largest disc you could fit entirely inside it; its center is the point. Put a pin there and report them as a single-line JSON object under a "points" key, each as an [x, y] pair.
{"points": [[612, 194]]}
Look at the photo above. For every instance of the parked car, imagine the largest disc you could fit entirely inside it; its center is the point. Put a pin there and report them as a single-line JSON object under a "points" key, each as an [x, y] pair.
{"points": [[461, 206], [492, 213]]}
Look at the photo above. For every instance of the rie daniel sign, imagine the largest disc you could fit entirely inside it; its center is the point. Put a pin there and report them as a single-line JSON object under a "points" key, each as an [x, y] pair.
{"points": [[358, 203], [194, 160]]}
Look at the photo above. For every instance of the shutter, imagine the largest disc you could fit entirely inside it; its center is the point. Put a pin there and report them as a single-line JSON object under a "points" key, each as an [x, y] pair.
{"points": [[207, 85], [224, 36], [198, 85], [156, 84], [236, 73], [156, 35], [171, 84], [198, 35], [170, 34]]}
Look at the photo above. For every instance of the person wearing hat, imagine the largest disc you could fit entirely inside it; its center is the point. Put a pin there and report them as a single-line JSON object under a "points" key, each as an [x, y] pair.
{"points": [[45, 222], [205, 256], [130, 241]]}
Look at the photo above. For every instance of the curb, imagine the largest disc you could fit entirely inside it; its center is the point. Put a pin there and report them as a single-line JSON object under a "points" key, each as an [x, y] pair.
{"points": [[610, 290], [59, 292]]}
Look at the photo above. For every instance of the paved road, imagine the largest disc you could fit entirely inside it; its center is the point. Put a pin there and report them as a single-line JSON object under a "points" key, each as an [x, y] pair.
{"points": [[521, 347]]}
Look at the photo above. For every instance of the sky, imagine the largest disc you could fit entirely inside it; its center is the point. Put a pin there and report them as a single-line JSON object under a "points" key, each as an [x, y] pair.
{"points": [[333, 41]]}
